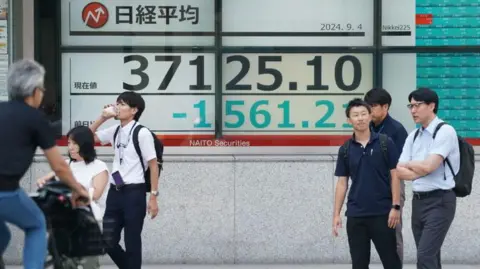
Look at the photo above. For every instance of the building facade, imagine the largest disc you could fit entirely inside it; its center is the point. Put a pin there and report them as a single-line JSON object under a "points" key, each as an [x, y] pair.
{"points": [[248, 97]]}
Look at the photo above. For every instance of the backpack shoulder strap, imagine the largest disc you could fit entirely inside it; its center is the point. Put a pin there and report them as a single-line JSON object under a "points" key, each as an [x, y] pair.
{"points": [[136, 144], [383, 146], [416, 134], [346, 147], [446, 159], [437, 128], [115, 135]]}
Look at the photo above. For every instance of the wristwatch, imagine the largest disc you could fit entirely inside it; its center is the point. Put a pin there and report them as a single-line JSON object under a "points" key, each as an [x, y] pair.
{"points": [[154, 193], [396, 207]]}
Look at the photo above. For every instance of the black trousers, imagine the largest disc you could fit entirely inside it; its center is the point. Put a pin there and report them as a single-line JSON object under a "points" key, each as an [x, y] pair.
{"points": [[432, 215], [361, 231], [126, 209]]}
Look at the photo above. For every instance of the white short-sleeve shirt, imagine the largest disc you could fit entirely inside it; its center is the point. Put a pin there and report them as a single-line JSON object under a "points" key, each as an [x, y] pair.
{"points": [[84, 174], [445, 144], [130, 169]]}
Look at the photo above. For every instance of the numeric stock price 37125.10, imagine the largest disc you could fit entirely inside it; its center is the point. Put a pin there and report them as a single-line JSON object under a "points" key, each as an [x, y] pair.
{"points": [[326, 72]]}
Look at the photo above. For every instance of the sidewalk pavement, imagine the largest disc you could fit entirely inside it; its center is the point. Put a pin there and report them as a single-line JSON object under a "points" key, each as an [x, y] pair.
{"points": [[275, 266]]}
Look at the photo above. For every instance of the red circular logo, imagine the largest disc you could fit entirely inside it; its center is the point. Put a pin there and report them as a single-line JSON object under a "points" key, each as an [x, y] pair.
{"points": [[95, 15]]}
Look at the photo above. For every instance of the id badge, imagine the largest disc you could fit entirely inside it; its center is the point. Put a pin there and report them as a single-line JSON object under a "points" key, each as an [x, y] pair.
{"points": [[117, 178]]}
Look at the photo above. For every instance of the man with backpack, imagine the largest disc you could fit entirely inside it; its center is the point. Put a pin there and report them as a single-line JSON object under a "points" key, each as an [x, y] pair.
{"points": [[380, 101], [431, 158], [135, 171], [373, 207]]}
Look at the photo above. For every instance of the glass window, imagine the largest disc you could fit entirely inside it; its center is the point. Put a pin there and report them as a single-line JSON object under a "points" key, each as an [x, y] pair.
{"points": [[178, 85], [454, 76], [268, 72], [297, 23], [138, 23], [430, 23], [292, 93], [178, 88]]}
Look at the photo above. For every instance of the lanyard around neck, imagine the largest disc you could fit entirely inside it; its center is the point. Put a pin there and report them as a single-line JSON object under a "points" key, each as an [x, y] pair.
{"points": [[122, 146]]}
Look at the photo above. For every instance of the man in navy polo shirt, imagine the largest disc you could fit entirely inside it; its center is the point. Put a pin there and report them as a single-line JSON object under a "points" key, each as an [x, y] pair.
{"points": [[373, 209], [380, 101]]}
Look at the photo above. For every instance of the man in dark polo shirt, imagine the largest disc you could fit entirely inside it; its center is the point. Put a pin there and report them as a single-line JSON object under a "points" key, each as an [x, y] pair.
{"points": [[374, 197], [24, 128], [380, 101]]}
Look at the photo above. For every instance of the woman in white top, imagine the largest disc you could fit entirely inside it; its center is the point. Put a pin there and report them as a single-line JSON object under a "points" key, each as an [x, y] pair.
{"points": [[89, 171]]}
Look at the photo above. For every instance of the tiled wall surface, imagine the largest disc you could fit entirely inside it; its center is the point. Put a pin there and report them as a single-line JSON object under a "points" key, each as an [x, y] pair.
{"points": [[272, 209]]}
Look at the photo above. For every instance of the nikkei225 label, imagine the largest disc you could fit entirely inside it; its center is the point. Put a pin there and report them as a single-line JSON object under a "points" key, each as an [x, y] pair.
{"points": [[292, 93]]}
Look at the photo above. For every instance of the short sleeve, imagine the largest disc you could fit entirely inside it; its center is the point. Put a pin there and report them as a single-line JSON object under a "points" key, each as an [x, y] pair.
{"points": [[392, 154], [445, 141], [341, 169], [43, 132], [147, 146], [99, 167], [106, 135]]}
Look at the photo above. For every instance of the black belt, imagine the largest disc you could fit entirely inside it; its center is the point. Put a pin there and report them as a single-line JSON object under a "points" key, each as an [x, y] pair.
{"points": [[9, 184], [128, 186], [418, 195]]}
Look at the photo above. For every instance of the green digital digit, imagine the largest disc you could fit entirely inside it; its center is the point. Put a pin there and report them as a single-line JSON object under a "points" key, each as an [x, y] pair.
{"points": [[255, 111], [202, 111], [321, 123], [285, 106], [230, 111], [346, 125]]}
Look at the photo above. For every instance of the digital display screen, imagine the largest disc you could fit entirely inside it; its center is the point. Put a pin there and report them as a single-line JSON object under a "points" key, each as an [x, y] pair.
{"points": [[292, 93], [292, 83], [297, 23], [178, 88], [138, 23], [431, 23], [261, 93], [455, 77]]}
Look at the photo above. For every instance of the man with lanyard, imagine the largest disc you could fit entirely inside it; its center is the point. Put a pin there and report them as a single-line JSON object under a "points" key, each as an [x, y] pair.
{"points": [[126, 200], [423, 162], [380, 100]]}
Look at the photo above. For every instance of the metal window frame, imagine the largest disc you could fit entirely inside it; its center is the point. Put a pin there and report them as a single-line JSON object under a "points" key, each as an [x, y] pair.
{"points": [[11, 27]]}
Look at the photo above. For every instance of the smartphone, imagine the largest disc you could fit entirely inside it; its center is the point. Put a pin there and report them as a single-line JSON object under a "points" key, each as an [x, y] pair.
{"points": [[117, 178]]}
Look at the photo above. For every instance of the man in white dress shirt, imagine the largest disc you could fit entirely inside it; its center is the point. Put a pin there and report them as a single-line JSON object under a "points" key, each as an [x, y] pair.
{"points": [[424, 160], [126, 201]]}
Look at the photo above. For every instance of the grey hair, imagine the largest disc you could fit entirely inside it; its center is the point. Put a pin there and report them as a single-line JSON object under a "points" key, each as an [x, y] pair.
{"points": [[24, 77]]}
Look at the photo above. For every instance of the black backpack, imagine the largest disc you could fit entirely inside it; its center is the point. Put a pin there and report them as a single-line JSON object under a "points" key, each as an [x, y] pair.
{"points": [[383, 145], [464, 177], [158, 149]]}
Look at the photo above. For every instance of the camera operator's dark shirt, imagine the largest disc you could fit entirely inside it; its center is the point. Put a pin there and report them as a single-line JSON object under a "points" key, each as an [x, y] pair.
{"points": [[23, 129]]}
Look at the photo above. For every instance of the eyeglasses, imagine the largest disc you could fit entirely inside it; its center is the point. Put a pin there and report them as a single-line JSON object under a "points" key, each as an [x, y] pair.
{"points": [[415, 105]]}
